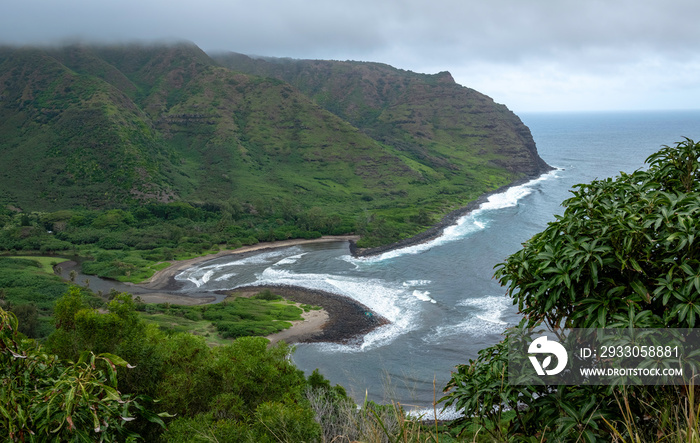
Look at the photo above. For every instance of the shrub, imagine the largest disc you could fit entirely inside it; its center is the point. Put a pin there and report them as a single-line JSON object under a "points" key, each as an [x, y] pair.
{"points": [[266, 294], [621, 256]]}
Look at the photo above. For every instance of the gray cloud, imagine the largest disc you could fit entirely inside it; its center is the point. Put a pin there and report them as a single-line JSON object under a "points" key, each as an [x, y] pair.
{"points": [[561, 42]]}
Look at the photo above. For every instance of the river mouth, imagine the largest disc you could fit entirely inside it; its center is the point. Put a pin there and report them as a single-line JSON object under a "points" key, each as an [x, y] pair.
{"points": [[103, 286], [348, 320]]}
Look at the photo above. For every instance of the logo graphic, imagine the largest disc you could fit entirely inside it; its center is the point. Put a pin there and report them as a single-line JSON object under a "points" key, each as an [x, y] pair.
{"points": [[542, 346]]}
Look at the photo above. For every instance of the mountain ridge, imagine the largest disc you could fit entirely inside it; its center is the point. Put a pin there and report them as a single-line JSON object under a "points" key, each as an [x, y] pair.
{"points": [[335, 85], [113, 126]]}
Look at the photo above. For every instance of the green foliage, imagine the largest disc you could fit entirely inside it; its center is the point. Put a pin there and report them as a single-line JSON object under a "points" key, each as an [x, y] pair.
{"points": [[45, 399], [244, 389], [30, 293], [207, 429], [190, 379], [132, 244], [166, 133], [79, 327], [28, 318], [260, 315], [186, 384], [285, 422], [623, 255], [267, 295]]}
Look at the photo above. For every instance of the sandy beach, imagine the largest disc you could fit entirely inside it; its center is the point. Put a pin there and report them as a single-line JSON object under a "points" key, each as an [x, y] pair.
{"points": [[341, 320], [309, 327]]}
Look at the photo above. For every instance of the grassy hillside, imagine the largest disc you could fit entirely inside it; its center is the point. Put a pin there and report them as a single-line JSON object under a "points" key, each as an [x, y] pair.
{"points": [[70, 139], [120, 126]]}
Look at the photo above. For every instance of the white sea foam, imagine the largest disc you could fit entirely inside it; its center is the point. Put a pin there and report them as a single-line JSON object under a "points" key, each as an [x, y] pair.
{"points": [[375, 294], [200, 281], [412, 283], [201, 273], [423, 296], [225, 277], [390, 301], [486, 317], [290, 260], [265, 257]]}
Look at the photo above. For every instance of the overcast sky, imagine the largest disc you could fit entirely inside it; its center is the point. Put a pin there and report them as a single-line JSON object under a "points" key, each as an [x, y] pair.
{"points": [[531, 55]]}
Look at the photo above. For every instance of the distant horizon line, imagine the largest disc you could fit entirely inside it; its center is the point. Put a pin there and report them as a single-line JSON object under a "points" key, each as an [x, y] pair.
{"points": [[604, 111]]}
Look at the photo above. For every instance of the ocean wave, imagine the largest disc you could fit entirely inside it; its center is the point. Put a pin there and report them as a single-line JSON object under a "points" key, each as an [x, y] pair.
{"points": [[423, 296], [267, 257], [225, 276], [393, 302], [412, 283], [202, 280], [201, 273], [485, 317], [290, 260]]}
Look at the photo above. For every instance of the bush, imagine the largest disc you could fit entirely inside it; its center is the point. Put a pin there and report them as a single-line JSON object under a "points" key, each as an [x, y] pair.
{"points": [[267, 295], [621, 256], [41, 401]]}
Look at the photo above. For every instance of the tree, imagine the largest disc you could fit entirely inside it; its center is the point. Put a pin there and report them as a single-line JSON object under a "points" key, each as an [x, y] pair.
{"points": [[119, 331], [623, 255], [243, 389], [46, 399]]}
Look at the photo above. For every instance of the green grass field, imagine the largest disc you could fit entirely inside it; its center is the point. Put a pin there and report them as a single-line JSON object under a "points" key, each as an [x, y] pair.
{"points": [[263, 314]]}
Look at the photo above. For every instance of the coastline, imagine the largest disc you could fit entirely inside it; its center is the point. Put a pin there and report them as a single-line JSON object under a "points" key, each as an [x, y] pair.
{"points": [[344, 320], [165, 278], [436, 230]]}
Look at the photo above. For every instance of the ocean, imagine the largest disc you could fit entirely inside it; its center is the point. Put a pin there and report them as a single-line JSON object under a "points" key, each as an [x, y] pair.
{"points": [[440, 297]]}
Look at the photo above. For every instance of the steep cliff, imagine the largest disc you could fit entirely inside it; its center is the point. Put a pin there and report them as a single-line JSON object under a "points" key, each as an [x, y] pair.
{"points": [[429, 117]]}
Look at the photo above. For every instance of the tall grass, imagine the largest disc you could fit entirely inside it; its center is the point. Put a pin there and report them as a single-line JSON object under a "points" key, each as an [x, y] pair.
{"points": [[346, 422], [677, 422]]}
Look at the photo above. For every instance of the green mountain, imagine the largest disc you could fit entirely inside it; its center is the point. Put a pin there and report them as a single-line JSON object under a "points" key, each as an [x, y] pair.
{"points": [[429, 118], [114, 126]]}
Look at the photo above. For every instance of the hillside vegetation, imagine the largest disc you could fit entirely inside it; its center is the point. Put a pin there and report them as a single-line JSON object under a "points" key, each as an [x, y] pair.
{"points": [[356, 147], [426, 119]]}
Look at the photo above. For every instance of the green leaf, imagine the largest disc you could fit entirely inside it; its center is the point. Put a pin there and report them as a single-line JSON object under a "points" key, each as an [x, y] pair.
{"points": [[114, 359], [640, 289], [112, 393], [687, 268], [602, 313]]}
